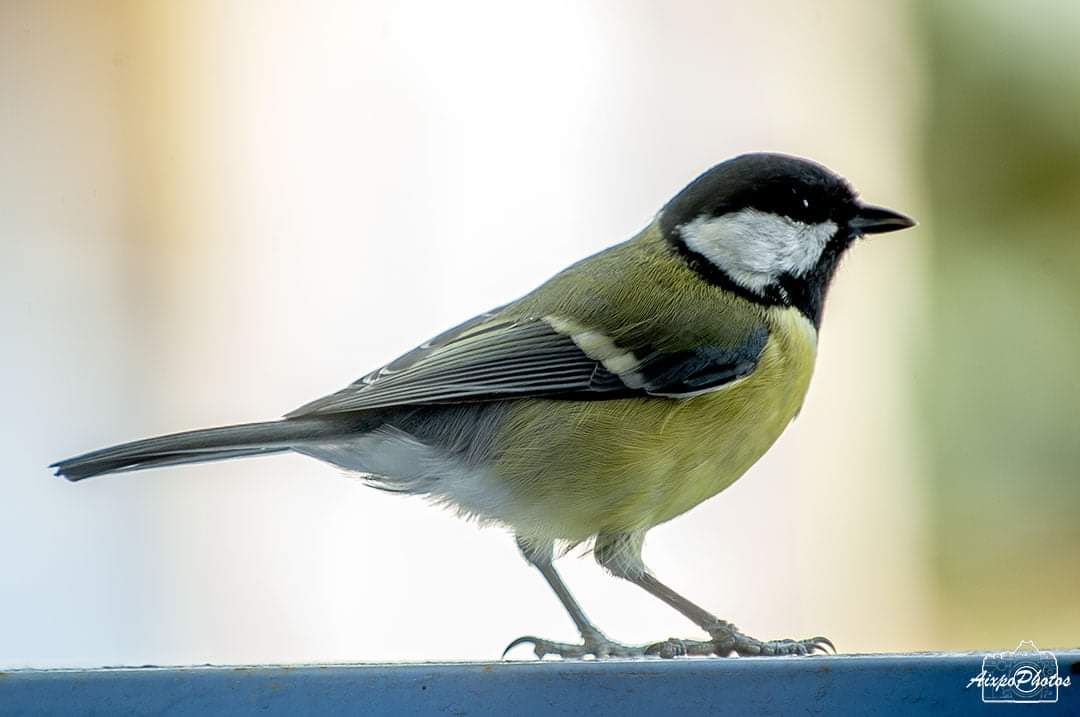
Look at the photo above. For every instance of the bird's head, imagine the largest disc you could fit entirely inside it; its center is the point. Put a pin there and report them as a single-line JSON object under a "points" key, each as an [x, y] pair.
{"points": [[771, 228]]}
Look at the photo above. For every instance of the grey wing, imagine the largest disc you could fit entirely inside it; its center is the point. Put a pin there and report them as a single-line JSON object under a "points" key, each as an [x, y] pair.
{"points": [[490, 358]]}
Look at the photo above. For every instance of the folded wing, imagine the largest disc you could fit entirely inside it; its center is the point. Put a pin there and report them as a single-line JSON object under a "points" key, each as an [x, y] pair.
{"points": [[489, 359]]}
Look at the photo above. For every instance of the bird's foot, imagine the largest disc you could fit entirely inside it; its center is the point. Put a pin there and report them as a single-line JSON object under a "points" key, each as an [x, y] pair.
{"points": [[727, 640], [595, 645]]}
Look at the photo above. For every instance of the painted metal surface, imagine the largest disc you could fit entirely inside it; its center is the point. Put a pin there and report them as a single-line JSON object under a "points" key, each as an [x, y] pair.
{"points": [[917, 684]]}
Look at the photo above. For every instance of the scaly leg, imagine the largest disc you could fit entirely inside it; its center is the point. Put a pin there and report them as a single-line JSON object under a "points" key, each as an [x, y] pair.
{"points": [[621, 555], [593, 642]]}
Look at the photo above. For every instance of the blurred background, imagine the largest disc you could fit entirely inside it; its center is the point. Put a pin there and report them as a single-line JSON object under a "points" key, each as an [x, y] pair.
{"points": [[212, 212]]}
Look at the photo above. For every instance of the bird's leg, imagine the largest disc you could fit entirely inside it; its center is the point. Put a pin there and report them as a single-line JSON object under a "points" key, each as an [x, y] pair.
{"points": [[593, 642], [726, 638], [621, 555]]}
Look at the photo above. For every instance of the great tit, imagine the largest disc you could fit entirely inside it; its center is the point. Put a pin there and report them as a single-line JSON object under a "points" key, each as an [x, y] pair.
{"points": [[619, 394]]}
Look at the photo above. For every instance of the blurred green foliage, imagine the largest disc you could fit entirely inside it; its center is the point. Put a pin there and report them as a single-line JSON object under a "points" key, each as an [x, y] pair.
{"points": [[999, 378]]}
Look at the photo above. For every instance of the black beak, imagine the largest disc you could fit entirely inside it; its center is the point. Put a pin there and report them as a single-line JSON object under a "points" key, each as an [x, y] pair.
{"points": [[878, 220]]}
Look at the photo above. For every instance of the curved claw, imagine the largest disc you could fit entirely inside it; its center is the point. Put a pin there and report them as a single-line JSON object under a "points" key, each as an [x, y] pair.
{"points": [[542, 648], [809, 646], [521, 641], [724, 643], [727, 641], [597, 646]]}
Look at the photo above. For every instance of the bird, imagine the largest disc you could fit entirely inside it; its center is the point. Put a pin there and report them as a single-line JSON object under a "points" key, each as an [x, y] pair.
{"points": [[619, 394]]}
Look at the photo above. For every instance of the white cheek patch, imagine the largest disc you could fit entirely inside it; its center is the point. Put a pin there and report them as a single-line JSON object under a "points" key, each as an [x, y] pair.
{"points": [[754, 248]]}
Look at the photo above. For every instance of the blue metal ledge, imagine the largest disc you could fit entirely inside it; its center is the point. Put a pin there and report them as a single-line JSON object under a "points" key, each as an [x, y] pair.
{"points": [[893, 685]]}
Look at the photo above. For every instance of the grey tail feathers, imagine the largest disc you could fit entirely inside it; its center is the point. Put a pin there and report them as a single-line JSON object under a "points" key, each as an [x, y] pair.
{"points": [[209, 444]]}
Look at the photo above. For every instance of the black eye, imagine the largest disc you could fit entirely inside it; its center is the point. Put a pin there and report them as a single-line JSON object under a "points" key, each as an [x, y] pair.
{"points": [[799, 207], [805, 207]]}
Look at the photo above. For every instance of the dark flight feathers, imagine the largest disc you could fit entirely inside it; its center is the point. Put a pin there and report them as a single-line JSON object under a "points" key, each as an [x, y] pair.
{"points": [[487, 359]]}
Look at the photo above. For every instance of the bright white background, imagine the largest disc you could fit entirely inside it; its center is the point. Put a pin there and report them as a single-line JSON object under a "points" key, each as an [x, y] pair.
{"points": [[214, 212]]}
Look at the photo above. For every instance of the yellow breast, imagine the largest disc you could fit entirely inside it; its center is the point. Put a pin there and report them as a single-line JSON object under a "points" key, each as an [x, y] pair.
{"points": [[580, 467]]}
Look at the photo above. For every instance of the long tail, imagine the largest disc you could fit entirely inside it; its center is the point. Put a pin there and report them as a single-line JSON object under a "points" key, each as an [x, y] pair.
{"points": [[210, 444]]}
